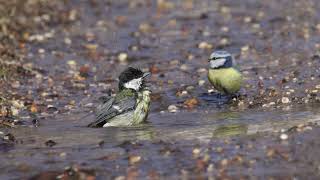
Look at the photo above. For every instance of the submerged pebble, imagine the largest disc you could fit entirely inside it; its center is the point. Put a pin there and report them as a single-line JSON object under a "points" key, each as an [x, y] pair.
{"points": [[173, 108], [284, 136]]}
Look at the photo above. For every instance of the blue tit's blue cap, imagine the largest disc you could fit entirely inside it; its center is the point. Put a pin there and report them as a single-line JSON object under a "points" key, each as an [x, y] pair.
{"points": [[219, 54]]}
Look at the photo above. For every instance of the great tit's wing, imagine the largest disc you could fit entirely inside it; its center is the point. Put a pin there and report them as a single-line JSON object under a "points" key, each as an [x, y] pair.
{"points": [[112, 108], [104, 99], [105, 106]]}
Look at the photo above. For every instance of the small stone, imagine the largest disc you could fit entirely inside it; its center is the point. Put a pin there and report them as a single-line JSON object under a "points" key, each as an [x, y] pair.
{"points": [[154, 69], [224, 41], [173, 108], [283, 136], [67, 41], [50, 143], [190, 88], [191, 103], [174, 62], [184, 93], [245, 48], [145, 28], [72, 63], [17, 104], [184, 67], [318, 27], [34, 108], [201, 82], [63, 154], [91, 47], [190, 57], [224, 29], [247, 19], [224, 162], [134, 159], [41, 51], [204, 45], [196, 151], [202, 70], [285, 100], [122, 57], [270, 153], [14, 111], [120, 178]]}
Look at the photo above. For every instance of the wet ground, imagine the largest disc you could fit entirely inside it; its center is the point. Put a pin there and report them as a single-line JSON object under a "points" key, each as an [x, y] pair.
{"points": [[62, 56]]}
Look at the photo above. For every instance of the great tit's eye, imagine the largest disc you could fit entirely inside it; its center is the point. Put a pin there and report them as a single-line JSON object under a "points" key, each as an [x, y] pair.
{"points": [[213, 58]]}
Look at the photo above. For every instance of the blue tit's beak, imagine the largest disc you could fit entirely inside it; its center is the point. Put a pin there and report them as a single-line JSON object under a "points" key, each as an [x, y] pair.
{"points": [[146, 74]]}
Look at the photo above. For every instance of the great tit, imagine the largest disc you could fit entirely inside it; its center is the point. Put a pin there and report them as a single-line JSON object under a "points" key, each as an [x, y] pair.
{"points": [[222, 75], [130, 106]]}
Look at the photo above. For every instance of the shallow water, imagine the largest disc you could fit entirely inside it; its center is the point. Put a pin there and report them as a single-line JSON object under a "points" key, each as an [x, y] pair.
{"points": [[77, 144]]}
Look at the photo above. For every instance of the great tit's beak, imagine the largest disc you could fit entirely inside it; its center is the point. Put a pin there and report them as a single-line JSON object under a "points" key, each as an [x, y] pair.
{"points": [[146, 74], [209, 59]]}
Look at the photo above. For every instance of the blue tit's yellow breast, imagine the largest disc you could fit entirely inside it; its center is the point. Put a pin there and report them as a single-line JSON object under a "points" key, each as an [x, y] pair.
{"points": [[227, 80]]}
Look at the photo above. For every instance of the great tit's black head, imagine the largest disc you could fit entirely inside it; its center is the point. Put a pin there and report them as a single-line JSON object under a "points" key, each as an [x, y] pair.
{"points": [[132, 78], [220, 59]]}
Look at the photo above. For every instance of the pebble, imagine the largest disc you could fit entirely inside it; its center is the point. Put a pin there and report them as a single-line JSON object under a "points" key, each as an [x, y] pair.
{"points": [[145, 27], [224, 162], [174, 62], [120, 178], [63, 154], [247, 19], [318, 27], [285, 100], [67, 41], [202, 70], [173, 108], [284, 136], [14, 111], [196, 151], [224, 41], [41, 51], [184, 67], [71, 63], [184, 93], [134, 159], [17, 104], [224, 29], [204, 45], [122, 57], [190, 88], [245, 48], [201, 82]]}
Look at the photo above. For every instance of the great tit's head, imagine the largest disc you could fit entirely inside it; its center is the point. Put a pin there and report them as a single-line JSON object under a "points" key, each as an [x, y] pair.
{"points": [[132, 78], [220, 59]]}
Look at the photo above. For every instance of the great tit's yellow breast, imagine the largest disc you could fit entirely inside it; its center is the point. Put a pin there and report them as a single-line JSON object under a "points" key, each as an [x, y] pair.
{"points": [[143, 106], [227, 80]]}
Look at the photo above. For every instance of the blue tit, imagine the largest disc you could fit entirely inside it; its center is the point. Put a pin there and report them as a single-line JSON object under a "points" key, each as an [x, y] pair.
{"points": [[222, 75]]}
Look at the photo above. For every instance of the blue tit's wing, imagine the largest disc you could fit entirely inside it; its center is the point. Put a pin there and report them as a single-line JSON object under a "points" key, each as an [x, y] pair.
{"points": [[112, 108]]}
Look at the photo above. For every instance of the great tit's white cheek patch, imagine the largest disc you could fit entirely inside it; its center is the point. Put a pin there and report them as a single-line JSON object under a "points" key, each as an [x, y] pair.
{"points": [[134, 84], [217, 63]]}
